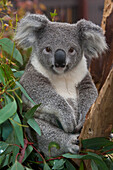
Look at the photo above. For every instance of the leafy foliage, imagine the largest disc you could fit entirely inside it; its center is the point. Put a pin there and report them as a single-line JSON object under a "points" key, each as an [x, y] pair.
{"points": [[16, 152], [53, 15]]}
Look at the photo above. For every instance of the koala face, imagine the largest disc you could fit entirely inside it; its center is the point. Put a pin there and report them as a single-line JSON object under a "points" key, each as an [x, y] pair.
{"points": [[59, 47], [55, 50]]}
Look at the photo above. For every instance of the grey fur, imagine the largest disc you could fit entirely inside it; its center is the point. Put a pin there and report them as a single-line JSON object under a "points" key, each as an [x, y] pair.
{"points": [[44, 82]]}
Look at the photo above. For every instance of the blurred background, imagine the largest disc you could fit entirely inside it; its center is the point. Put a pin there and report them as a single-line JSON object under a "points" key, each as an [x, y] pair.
{"points": [[11, 11], [68, 10]]}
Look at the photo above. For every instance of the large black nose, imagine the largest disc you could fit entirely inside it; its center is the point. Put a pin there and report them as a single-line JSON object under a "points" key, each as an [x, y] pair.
{"points": [[60, 58]]}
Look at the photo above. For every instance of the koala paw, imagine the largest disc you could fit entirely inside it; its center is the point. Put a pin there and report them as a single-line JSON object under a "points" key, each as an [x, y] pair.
{"points": [[68, 122], [79, 127], [73, 144]]}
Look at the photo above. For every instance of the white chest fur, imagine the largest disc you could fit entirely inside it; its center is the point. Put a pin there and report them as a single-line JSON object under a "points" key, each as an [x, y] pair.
{"points": [[65, 84]]}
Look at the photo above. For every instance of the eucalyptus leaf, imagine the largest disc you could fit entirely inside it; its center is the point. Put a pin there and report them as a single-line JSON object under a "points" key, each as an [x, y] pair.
{"points": [[27, 152], [8, 111], [34, 125], [24, 92], [6, 129], [101, 164], [17, 166], [14, 149], [93, 165], [28, 168], [3, 147], [18, 74], [18, 129], [9, 47], [95, 143], [69, 165], [2, 75], [5, 160], [8, 72], [30, 113], [46, 166], [90, 156], [81, 166], [7, 98], [59, 164], [108, 149]]}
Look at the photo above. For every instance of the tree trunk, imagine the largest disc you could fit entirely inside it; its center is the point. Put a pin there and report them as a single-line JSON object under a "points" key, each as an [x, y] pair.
{"points": [[99, 120], [100, 67]]}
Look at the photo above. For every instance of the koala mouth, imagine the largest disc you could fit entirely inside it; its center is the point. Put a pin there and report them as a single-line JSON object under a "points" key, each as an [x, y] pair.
{"points": [[59, 70]]}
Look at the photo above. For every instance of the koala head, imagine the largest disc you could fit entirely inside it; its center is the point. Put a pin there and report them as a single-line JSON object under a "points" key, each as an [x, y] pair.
{"points": [[59, 47]]}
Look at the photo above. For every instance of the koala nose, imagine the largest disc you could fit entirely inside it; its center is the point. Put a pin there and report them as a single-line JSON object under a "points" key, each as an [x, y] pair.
{"points": [[60, 58]]}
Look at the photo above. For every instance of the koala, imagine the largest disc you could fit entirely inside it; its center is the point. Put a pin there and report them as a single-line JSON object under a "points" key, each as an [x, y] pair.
{"points": [[57, 77]]}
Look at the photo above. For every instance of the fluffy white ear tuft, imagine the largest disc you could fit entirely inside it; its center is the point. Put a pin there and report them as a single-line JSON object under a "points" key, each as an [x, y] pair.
{"points": [[91, 37], [25, 35]]}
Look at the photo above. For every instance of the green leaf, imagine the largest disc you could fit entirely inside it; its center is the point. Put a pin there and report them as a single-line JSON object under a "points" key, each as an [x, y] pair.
{"points": [[68, 155], [101, 164], [8, 72], [90, 156], [2, 75], [53, 144], [17, 166], [34, 125], [7, 98], [8, 111], [59, 164], [8, 46], [24, 92], [108, 149], [28, 168], [93, 165], [18, 99], [53, 14], [95, 143], [81, 166], [27, 152], [4, 160], [3, 147], [18, 74], [111, 166], [69, 165], [30, 113], [6, 129], [18, 129], [46, 166], [12, 139]]}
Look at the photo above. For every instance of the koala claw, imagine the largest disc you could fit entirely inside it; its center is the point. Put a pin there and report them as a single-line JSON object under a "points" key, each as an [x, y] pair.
{"points": [[74, 149], [73, 144], [79, 127]]}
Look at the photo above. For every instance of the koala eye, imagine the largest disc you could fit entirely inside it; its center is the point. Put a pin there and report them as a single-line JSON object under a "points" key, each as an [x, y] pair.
{"points": [[48, 49], [72, 50]]}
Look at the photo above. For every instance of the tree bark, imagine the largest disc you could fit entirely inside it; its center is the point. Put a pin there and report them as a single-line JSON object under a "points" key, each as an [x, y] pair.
{"points": [[99, 121], [104, 63]]}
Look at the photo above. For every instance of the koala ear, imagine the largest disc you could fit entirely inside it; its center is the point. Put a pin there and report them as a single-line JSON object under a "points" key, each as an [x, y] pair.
{"points": [[25, 35], [91, 38]]}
